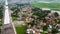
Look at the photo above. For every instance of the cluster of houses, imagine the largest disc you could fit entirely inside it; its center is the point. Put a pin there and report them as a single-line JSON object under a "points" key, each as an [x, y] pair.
{"points": [[51, 26], [27, 10]]}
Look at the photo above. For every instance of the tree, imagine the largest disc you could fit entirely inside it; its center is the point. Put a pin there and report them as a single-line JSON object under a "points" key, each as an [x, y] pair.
{"points": [[1, 9], [40, 13], [56, 14]]}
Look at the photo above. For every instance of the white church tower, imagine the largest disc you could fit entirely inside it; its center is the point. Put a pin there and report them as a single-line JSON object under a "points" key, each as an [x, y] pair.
{"points": [[7, 26], [6, 13]]}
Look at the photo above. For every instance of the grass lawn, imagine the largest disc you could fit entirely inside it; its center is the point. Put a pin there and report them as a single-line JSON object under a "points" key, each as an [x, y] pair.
{"points": [[53, 6], [21, 30]]}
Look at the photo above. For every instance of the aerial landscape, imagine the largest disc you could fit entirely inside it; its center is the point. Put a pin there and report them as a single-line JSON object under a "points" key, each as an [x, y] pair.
{"points": [[29, 16]]}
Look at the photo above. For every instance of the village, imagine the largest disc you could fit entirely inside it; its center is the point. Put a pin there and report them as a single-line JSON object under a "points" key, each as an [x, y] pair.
{"points": [[47, 23], [41, 25], [29, 20]]}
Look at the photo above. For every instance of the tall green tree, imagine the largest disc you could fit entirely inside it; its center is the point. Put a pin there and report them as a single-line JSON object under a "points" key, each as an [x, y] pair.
{"points": [[56, 14], [1, 9], [40, 13]]}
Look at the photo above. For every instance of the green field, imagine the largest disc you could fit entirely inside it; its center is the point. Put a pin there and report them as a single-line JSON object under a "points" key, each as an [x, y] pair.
{"points": [[21, 30], [53, 6]]}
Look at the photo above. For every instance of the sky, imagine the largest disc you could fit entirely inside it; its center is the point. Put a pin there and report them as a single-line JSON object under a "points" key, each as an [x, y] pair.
{"points": [[26, 1]]}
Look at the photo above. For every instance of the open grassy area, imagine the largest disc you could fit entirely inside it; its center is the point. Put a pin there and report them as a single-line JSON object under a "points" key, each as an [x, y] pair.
{"points": [[21, 30], [53, 6]]}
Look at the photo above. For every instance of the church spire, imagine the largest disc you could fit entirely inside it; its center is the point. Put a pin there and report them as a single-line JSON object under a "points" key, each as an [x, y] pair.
{"points": [[6, 2], [6, 13], [7, 27]]}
